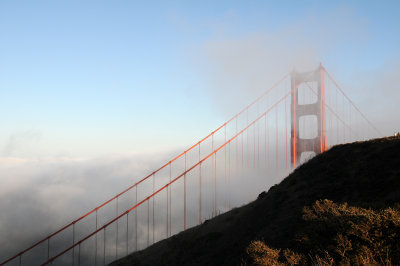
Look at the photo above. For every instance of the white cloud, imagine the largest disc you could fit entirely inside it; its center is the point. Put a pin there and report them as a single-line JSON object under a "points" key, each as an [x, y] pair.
{"points": [[21, 141], [240, 68]]}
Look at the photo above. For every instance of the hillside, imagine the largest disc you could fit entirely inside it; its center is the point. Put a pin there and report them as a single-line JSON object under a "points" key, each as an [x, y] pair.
{"points": [[364, 174]]}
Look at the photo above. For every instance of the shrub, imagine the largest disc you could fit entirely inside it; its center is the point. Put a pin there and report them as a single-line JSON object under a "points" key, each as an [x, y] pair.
{"points": [[261, 254], [337, 234], [352, 235]]}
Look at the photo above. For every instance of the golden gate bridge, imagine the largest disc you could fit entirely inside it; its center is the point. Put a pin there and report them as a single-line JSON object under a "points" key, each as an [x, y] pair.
{"points": [[301, 115]]}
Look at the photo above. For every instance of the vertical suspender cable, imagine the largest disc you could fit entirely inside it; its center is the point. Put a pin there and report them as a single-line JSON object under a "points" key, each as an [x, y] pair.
{"points": [[116, 239], [344, 128], [286, 158], [313, 143], [200, 219], [170, 201], [276, 138], [212, 171], [268, 152], [48, 248], [95, 246], [215, 185], [79, 254], [229, 176], [242, 152], [136, 222], [168, 210], [184, 197], [154, 181], [225, 153], [337, 120], [148, 222], [350, 121], [258, 139], [254, 146], [237, 142], [225, 176], [265, 140], [167, 213], [247, 136], [127, 233], [73, 242], [104, 247]]}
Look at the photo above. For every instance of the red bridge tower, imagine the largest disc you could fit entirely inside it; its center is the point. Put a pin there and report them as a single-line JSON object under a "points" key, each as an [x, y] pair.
{"points": [[317, 144]]}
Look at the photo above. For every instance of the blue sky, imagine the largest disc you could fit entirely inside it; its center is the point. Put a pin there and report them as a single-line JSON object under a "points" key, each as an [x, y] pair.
{"points": [[91, 78]]}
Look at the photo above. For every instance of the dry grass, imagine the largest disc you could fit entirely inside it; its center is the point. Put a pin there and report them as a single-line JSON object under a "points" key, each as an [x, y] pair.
{"points": [[338, 234], [261, 254]]}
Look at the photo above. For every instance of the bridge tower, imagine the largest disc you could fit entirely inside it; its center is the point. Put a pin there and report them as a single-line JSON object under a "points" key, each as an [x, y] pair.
{"points": [[317, 144]]}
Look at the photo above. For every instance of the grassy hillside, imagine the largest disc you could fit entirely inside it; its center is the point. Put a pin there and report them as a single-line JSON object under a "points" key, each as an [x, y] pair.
{"points": [[362, 174]]}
